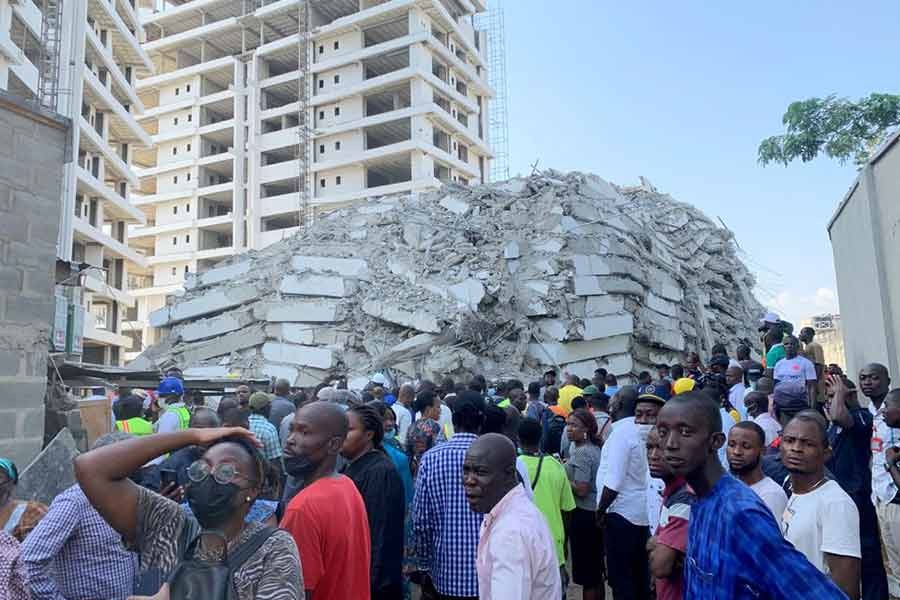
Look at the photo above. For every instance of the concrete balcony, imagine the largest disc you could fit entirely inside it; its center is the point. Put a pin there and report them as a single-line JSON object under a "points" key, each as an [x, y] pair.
{"points": [[104, 337], [125, 43], [224, 63], [125, 89], [369, 85], [165, 168], [88, 233], [150, 199], [267, 238], [209, 31], [438, 11], [116, 205], [115, 166], [123, 124], [476, 82], [100, 288]]}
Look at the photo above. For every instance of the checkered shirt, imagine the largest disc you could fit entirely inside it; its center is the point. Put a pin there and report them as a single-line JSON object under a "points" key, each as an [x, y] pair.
{"points": [[266, 433], [446, 529], [73, 554]]}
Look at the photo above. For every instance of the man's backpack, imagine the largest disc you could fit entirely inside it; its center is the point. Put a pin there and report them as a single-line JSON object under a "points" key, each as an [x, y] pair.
{"points": [[554, 425], [200, 580]]}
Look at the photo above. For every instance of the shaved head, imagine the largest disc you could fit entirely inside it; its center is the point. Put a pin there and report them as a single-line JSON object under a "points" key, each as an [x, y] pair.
{"points": [[489, 471], [204, 418], [326, 416]]}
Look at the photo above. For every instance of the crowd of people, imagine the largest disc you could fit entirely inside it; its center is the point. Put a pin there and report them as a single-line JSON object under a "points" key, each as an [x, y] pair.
{"points": [[731, 479]]}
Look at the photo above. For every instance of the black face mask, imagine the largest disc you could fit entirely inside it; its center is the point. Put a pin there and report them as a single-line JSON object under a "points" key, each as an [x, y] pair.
{"points": [[211, 502], [298, 466]]}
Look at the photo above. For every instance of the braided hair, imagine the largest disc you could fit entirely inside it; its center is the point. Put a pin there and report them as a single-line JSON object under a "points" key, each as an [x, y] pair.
{"points": [[372, 421]]}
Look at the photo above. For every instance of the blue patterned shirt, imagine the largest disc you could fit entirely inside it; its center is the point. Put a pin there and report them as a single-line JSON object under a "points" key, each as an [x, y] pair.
{"points": [[736, 551], [73, 554], [266, 433], [445, 528]]}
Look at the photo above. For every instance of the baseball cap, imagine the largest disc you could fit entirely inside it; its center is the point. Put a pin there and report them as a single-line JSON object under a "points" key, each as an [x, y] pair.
{"points": [[590, 390], [170, 386], [791, 396], [379, 378], [769, 317], [719, 361], [683, 385], [755, 371], [259, 400], [658, 391]]}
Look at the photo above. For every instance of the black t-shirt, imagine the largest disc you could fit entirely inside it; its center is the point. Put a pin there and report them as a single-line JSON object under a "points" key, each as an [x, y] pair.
{"points": [[381, 489], [851, 451]]}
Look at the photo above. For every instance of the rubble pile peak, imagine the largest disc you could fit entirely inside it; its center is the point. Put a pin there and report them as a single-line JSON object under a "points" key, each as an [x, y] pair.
{"points": [[508, 279]]}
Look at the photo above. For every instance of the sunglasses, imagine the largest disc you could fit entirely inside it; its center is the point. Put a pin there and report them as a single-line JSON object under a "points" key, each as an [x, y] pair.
{"points": [[223, 473]]}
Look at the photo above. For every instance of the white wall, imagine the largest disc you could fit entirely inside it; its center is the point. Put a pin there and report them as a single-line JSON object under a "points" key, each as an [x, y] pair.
{"points": [[166, 183], [179, 211], [353, 178], [176, 242], [162, 274]]}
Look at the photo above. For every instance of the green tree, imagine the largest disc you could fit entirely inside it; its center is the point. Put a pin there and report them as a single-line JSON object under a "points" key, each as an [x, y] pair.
{"points": [[839, 127]]}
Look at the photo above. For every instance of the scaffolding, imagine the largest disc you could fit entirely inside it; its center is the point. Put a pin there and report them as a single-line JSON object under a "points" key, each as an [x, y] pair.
{"points": [[51, 48], [493, 24], [304, 128]]}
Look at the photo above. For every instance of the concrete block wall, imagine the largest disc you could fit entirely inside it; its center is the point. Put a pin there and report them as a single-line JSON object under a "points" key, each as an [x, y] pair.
{"points": [[32, 154]]}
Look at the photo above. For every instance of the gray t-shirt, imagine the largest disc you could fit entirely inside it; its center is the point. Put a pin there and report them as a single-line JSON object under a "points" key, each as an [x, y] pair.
{"points": [[582, 467]]}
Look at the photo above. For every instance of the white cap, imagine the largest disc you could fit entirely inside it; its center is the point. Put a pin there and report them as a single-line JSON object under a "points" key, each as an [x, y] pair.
{"points": [[379, 378], [769, 317]]}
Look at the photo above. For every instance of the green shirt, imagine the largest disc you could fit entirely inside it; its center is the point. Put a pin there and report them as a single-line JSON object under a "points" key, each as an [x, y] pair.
{"points": [[552, 495], [774, 354]]}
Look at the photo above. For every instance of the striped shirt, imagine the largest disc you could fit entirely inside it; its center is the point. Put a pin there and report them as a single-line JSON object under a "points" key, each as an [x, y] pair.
{"points": [[272, 573], [446, 529], [74, 554]]}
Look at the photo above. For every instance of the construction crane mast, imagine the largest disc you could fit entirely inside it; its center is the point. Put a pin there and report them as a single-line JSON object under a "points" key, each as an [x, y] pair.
{"points": [[493, 23], [51, 48]]}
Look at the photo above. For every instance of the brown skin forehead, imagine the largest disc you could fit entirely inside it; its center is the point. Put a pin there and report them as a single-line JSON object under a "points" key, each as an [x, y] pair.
{"points": [[494, 451], [229, 452], [323, 416], [741, 435], [676, 414], [873, 369], [804, 430]]}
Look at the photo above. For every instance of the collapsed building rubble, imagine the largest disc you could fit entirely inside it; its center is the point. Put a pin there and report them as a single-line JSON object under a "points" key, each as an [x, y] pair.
{"points": [[552, 270]]}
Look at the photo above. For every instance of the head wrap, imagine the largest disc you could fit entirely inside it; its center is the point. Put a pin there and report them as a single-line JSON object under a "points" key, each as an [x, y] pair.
{"points": [[10, 469]]}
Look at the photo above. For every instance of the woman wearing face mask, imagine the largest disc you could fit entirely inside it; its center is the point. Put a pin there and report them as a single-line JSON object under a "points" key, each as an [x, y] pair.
{"points": [[17, 518], [581, 468], [381, 489], [223, 485]]}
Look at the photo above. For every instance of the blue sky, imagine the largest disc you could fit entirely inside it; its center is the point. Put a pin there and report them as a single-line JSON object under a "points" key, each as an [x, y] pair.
{"points": [[682, 93]]}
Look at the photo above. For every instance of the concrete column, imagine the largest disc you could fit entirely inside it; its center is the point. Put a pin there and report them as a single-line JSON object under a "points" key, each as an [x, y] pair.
{"points": [[71, 77], [244, 152]]}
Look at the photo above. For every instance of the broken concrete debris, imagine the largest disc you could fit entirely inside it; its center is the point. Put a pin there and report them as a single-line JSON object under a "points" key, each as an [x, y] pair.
{"points": [[552, 270]]}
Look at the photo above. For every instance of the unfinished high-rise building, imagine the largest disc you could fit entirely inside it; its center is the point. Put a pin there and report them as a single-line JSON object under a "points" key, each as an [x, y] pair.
{"points": [[264, 114], [81, 58]]}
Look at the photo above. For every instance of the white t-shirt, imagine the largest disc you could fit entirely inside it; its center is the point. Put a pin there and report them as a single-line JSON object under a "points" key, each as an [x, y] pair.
{"points": [[820, 521], [404, 420], [795, 369], [770, 426], [772, 496], [623, 468]]}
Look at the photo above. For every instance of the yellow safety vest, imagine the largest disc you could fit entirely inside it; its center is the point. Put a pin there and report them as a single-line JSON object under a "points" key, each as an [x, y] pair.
{"points": [[184, 416], [135, 426]]}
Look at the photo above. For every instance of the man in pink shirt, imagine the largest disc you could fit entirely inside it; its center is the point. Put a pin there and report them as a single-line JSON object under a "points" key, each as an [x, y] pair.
{"points": [[516, 555]]}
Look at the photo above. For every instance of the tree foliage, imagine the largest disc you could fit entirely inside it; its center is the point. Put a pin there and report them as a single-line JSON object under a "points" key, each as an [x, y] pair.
{"points": [[839, 127]]}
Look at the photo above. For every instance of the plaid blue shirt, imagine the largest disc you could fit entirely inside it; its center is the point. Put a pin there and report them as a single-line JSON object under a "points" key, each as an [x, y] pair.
{"points": [[445, 528], [266, 433], [736, 551], [73, 554]]}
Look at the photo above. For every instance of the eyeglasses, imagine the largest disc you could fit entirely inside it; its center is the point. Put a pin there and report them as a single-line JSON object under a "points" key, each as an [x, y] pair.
{"points": [[223, 473]]}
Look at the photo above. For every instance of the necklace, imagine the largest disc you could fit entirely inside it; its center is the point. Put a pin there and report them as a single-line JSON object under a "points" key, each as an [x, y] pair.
{"points": [[814, 486]]}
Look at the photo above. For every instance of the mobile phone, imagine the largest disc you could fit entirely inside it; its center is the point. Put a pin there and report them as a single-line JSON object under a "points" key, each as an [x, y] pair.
{"points": [[167, 477]]}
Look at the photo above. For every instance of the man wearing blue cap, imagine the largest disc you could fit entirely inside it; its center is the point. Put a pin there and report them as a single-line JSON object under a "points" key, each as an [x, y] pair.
{"points": [[175, 415]]}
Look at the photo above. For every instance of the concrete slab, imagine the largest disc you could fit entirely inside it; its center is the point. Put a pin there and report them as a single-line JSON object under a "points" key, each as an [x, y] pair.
{"points": [[310, 356], [597, 306], [280, 372], [550, 353], [295, 333], [590, 265], [419, 319], [51, 472], [298, 311], [247, 337], [309, 284], [215, 326], [596, 328], [468, 293], [661, 305], [211, 302], [226, 273], [455, 205], [512, 251], [212, 372], [346, 267]]}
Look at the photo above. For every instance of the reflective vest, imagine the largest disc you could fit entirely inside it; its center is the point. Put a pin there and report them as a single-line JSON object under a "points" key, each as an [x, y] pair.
{"points": [[184, 416], [135, 426]]}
